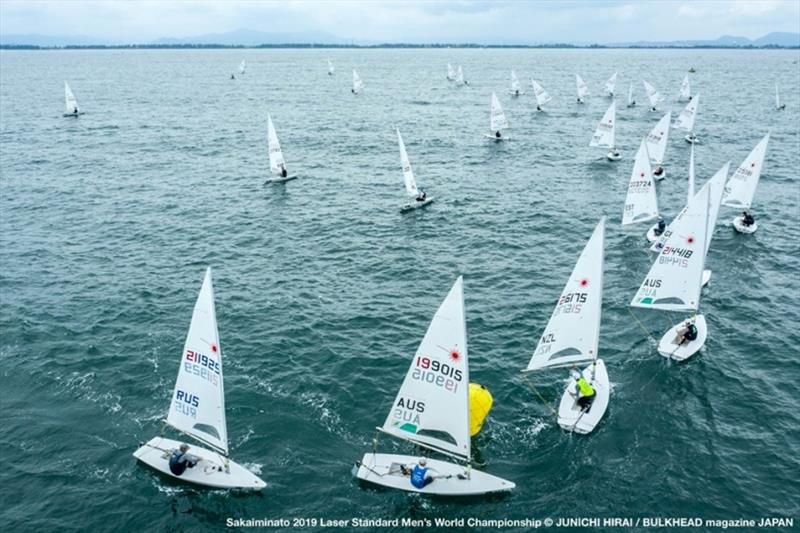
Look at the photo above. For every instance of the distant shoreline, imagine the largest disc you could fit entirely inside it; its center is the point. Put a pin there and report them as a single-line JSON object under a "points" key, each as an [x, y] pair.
{"points": [[382, 46]]}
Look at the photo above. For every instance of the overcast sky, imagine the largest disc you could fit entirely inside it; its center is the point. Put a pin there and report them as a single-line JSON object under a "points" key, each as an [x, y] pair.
{"points": [[408, 21]]}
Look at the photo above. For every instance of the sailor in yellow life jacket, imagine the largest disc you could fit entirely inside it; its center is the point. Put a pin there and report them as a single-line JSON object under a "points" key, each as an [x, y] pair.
{"points": [[585, 392]]}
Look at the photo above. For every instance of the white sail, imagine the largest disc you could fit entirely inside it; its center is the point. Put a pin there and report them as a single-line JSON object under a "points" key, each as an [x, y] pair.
{"points": [[432, 406], [777, 97], [685, 120], [241, 67], [583, 89], [657, 140], [604, 134], [573, 332], [451, 73], [742, 186], [276, 161], [358, 85], [514, 82], [198, 402], [686, 91], [652, 94], [460, 75], [630, 94], [673, 282], [331, 68], [610, 85], [408, 174], [497, 120], [541, 95], [641, 204], [71, 102], [690, 191]]}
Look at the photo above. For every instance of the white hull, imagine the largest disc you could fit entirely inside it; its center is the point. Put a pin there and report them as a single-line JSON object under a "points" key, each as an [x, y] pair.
{"points": [[492, 137], [692, 139], [668, 348], [659, 177], [651, 233], [73, 114], [570, 416], [414, 204], [633, 104], [739, 226], [280, 179], [209, 472], [515, 94], [706, 277], [384, 469], [611, 156]]}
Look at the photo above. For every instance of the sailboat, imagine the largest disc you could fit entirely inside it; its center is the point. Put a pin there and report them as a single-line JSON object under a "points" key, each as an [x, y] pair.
{"points": [[451, 73], [675, 278], [641, 202], [330, 68], [515, 86], [604, 135], [198, 408], [497, 121], [431, 411], [572, 337], [685, 120], [276, 163], [610, 85], [686, 91], [71, 108], [778, 105], [541, 95], [652, 95], [241, 67], [583, 89], [358, 85], [657, 145], [741, 188], [460, 76], [418, 198], [631, 101]]}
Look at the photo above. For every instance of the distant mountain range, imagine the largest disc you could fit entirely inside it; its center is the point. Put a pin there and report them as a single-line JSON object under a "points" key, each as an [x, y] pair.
{"points": [[250, 38]]}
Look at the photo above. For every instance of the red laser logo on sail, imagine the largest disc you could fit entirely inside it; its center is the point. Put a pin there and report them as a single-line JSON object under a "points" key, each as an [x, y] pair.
{"points": [[584, 282], [454, 355]]}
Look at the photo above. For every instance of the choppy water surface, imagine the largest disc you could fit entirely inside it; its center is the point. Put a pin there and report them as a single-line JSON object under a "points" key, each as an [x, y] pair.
{"points": [[324, 289]]}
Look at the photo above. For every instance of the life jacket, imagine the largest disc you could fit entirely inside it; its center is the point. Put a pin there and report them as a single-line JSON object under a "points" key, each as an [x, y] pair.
{"points": [[418, 476], [691, 333], [175, 465], [584, 387]]}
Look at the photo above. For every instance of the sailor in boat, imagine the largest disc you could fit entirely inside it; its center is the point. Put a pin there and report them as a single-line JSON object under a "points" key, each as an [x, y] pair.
{"points": [[653, 108], [75, 110], [686, 333], [658, 171], [181, 459], [615, 152], [421, 475], [422, 196], [690, 97], [659, 229], [538, 108], [497, 134], [579, 100], [747, 219], [283, 171], [583, 390], [516, 92], [233, 77]]}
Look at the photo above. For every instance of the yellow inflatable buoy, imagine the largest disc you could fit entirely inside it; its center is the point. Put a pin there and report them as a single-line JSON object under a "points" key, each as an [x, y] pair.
{"points": [[480, 403]]}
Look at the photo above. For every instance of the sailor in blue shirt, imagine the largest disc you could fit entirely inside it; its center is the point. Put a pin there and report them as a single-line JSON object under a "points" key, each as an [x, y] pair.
{"points": [[421, 476]]}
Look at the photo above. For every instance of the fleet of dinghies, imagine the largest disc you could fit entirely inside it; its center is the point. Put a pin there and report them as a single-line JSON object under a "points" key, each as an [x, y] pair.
{"points": [[432, 408]]}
